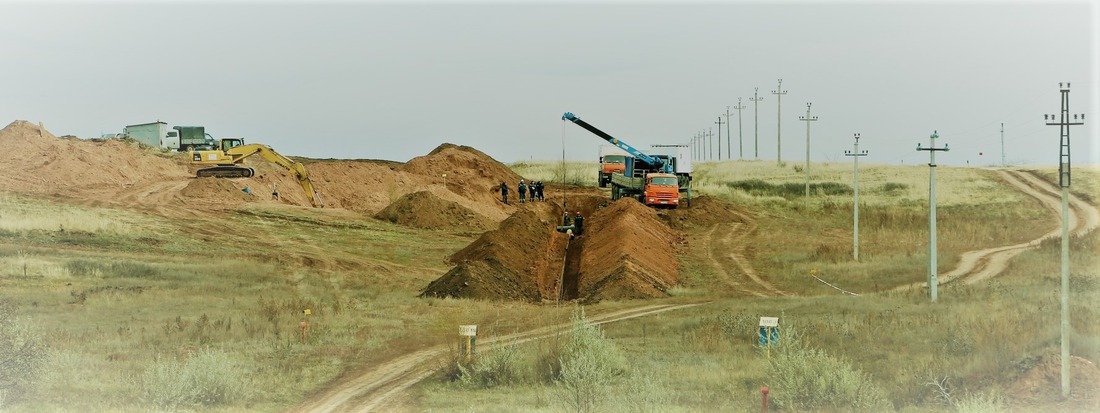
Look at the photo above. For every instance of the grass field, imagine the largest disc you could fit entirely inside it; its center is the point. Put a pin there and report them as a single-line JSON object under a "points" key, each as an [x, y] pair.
{"points": [[135, 313]]}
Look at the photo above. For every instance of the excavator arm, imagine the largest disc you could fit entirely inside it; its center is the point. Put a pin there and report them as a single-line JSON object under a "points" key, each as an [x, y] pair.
{"points": [[226, 163]]}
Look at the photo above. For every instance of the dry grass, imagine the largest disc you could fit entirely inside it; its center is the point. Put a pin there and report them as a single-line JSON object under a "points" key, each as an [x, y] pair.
{"points": [[113, 301]]}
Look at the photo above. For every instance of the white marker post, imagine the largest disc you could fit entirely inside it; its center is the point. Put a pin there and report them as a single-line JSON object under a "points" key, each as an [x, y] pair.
{"points": [[470, 333]]}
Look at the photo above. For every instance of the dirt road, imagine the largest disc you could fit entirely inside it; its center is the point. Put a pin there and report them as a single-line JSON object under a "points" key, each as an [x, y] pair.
{"points": [[725, 246], [376, 388], [979, 265]]}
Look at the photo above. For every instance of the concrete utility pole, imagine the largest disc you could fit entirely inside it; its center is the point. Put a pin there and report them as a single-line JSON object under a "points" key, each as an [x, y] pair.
{"points": [[933, 283], [719, 123], [779, 92], [1002, 144], [1063, 122], [855, 154], [740, 139], [756, 120], [710, 137], [808, 119], [728, 127]]}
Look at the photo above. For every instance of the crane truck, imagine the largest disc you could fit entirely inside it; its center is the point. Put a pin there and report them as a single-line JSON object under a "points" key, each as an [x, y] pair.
{"points": [[651, 179], [225, 162]]}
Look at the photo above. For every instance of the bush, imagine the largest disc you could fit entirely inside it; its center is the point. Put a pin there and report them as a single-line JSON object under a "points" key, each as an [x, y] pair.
{"points": [[492, 368], [804, 378], [22, 354], [208, 378], [589, 363]]}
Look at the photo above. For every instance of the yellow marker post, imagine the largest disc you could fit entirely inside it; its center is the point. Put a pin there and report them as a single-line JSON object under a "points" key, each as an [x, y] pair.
{"points": [[469, 332]]}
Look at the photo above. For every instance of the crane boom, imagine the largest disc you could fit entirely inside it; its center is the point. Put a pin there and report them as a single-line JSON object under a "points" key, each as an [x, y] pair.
{"points": [[657, 163]]}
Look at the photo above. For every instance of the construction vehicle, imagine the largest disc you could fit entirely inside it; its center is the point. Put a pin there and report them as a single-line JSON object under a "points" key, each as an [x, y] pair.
{"points": [[190, 138], [651, 179], [612, 159], [228, 157]]}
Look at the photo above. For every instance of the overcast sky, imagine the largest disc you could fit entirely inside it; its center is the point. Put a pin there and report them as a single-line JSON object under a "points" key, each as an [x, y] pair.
{"points": [[393, 81]]}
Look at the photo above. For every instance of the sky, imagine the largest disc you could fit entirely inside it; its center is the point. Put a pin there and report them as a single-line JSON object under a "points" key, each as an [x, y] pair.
{"points": [[394, 80]]}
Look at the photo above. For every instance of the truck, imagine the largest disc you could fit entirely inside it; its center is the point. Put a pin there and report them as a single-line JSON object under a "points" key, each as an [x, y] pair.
{"points": [[651, 179], [612, 159], [190, 138], [153, 134], [180, 138], [226, 159]]}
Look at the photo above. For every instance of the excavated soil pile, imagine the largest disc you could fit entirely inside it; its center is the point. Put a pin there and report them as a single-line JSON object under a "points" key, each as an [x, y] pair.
{"points": [[1041, 385], [703, 212], [628, 253], [37, 162], [214, 188], [425, 210], [472, 182], [503, 264]]}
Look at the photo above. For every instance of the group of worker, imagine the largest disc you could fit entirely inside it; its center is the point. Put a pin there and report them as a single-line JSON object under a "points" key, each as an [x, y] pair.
{"points": [[532, 191], [576, 221]]}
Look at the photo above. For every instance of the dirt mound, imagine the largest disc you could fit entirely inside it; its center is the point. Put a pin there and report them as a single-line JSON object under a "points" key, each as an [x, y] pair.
{"points": [[509, 263], [628, 253], [704, 211], [37, 162], [1041, 385], [625, 252], [215, 188], [425, 210]]}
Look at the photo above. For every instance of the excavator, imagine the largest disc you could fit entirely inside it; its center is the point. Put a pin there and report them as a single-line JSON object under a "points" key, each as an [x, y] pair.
{"points": [[227, 158]]}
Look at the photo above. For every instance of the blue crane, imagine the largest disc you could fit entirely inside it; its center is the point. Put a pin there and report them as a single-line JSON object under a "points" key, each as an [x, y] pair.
{"points": [[656, 163]]}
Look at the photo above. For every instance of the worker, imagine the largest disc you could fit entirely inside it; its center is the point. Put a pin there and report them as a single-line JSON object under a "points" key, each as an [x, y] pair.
{"points": [[522, 191], [565, 219], [538, 190], [578, 223], [504, 193], [531, 191]]}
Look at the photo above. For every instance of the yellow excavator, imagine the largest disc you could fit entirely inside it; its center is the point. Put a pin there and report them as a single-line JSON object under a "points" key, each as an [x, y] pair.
{"points": [[226, 162]]}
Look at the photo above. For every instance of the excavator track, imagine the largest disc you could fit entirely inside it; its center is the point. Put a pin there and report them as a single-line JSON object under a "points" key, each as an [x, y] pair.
{"points": [[230, 171]]}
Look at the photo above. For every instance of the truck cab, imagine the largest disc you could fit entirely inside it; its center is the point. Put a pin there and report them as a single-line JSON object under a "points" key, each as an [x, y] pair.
{"points": [[661, 189], [612, 160]]}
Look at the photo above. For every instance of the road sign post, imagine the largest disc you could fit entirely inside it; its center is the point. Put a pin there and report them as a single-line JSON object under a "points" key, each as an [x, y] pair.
{"points": [[469, 334]]}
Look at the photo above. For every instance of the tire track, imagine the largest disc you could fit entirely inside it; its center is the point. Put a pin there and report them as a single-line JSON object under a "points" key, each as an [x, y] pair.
{"points": [[980, 265], [373, 389]]}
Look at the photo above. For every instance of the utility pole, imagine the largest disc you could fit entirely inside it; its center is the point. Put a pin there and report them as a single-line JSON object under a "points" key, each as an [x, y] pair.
{"points": [[756, 121], [710, 136], [779, 92], [740, 138], [808, 119], [855, 154], [1002, 144], [728, 127], [1063, 122], [719, 123], [932, 149]]}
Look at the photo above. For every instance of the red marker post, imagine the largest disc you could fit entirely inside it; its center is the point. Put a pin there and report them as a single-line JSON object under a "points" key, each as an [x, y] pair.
{"points": [[764, 402]]}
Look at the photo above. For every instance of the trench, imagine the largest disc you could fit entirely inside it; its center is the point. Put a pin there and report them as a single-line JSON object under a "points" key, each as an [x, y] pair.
{"points": [[571, 271]]}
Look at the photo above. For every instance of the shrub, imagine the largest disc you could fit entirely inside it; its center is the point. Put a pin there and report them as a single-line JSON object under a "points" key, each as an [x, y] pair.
{"points": [[207, 378], [589, 363], [492, 368], [804, 378], [83, 268]]}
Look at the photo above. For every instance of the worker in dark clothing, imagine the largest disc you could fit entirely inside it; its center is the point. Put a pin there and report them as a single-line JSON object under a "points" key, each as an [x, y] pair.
{"points": [[578, 224], [504, 193], [531, 191], [566, 220], [538, 190], [522, 191]]}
